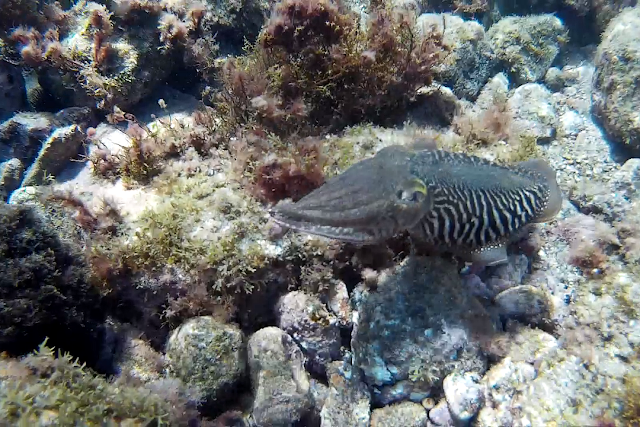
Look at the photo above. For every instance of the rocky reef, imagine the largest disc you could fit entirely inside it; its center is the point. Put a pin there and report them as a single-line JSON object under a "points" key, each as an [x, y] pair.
{"points": [[142, 281]]}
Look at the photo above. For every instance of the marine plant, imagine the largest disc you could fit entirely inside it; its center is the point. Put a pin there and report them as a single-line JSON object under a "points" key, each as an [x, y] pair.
{"points": [[316, 67], [151, 146], [52, 388], [83, 55], [44, 286]]}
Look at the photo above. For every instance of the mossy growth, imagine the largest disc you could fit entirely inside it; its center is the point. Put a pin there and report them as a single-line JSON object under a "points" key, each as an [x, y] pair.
{"points": [[316, 67], [45, 388], [151, 146], [631, 411], [193, 347], [202, 225], [274, 168], [525, 147], [44, 285]]}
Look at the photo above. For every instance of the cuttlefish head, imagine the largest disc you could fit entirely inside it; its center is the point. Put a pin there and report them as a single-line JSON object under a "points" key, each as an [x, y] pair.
{"points": [[371, 201]]}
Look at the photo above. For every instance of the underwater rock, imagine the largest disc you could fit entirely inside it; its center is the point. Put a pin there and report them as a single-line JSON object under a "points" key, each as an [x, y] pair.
{"points": [[440, 414], [616, 101], [523, 344], [119, 68], [553, 79], [281, 385], [420, 325], [348, 401], [464, 395], [319, 393], [233, 22], [525, 303], [502, 382], [57, 150], [470, 61], [627, 180], [532, 113], [339, 304], [527, 46], [12, 96], [496, 91], [44, 287], [570, 391], [22, 136], [614, 198], [605, 11], [81, 116], [507, 275], [10, 177], [570, 124], [436, 105], [140, 361], [209, 356], [404, 414], [312, 327]]}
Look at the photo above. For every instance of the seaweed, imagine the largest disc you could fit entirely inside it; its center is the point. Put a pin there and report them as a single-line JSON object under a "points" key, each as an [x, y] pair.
{"points": [[314, 68]]}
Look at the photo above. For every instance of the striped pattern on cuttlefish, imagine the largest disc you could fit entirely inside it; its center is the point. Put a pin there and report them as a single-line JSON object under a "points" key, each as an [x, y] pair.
{"points": [[453, 202]]}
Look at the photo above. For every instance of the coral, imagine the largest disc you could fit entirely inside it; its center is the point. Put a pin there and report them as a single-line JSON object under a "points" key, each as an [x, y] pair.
{"points": [[45, 388], [44, 287], [314, 68]]}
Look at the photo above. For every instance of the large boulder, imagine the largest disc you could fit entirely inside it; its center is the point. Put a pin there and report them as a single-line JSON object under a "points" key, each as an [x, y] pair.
{"points": [[616, 100]]}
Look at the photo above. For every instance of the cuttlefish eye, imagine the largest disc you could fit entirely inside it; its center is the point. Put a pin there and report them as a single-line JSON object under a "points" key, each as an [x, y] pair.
{"points": [[412, 191]]}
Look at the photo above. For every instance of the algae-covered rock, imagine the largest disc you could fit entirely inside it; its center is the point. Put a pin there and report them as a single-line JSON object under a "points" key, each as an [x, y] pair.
{"points": [[527, 46], [525, 303], [420, 325], [405, 414], [616, 101], [604, 11], [207, 355], [310, 324], [464, 395], [12, 95], [63, 144], [470, 61], [120, 69], [45, 389], [22, 136], [502, 382], [440, 414], [532, 113], [281, 386], [10, 177], [233, 22], [44, 288], [348, 400]]}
